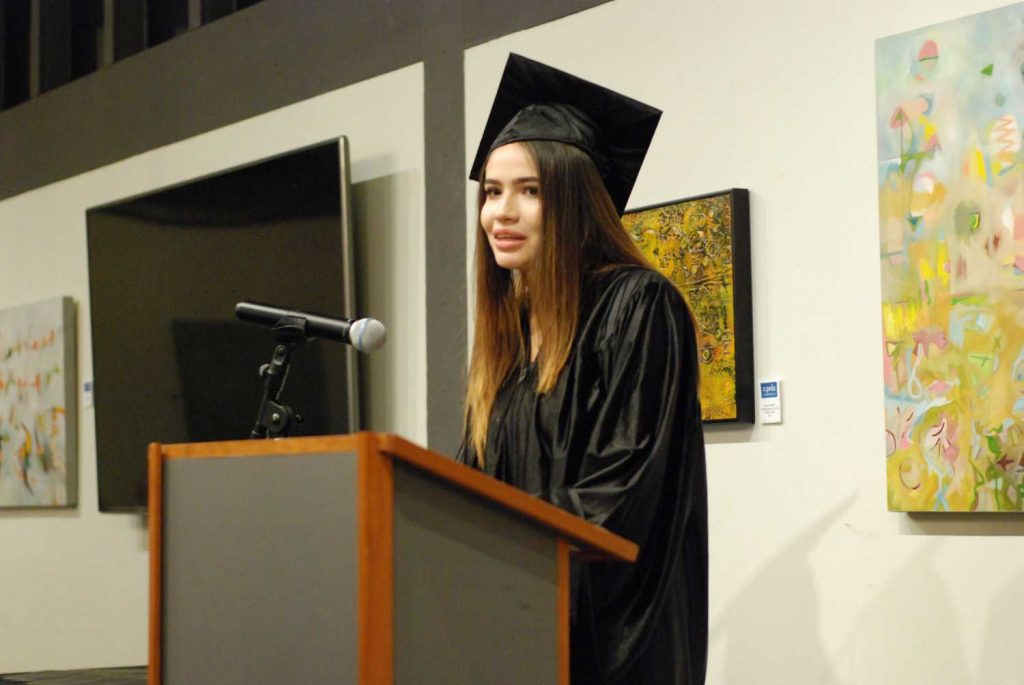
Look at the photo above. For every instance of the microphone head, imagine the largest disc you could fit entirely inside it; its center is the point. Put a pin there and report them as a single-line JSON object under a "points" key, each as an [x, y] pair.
{"points": [[367, 335]]}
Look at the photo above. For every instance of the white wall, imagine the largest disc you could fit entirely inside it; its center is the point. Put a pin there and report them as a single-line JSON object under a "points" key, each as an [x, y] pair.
{"points": [[73, 584], [812, 580]]}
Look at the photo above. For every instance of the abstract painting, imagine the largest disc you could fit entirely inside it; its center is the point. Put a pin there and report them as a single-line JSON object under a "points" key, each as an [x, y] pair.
{"points": [[38, 466], [951, 216], [702, 244]]}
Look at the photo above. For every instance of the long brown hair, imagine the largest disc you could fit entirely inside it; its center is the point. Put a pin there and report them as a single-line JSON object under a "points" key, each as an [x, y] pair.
{"points": [[581, 234]]}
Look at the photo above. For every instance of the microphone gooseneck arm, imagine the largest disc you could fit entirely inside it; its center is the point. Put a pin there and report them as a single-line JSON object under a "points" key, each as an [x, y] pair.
{"points": [[274, 419]]}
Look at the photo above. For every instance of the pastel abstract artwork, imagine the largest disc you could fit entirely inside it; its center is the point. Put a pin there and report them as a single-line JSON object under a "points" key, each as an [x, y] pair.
{"points": [[702, 244], [951, 219], [37, 417]]}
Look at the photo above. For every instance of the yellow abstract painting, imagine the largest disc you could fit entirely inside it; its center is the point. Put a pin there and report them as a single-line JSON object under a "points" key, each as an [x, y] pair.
{"points": [[951, 219], [702, 245]]}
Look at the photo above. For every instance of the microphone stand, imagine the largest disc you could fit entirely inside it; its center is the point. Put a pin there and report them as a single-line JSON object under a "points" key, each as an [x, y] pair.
{"points": [[275, 419]]}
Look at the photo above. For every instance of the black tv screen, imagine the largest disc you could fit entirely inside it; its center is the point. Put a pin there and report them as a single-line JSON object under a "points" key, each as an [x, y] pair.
{"points": [[170, 361]]}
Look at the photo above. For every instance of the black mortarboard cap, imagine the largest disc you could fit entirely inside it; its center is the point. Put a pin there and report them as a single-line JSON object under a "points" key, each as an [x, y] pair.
{"points": [[537, 102]]}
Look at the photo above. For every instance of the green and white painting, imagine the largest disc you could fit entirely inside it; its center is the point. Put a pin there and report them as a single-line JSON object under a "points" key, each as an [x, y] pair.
{"points": [[37, 417]]}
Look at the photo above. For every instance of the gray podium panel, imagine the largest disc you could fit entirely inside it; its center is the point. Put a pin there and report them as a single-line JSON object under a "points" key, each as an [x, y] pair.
{"points": [[260, 570], [475, 590]]}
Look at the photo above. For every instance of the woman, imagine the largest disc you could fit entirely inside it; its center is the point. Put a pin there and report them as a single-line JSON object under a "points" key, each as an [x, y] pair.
{"points": [[583, 379]]}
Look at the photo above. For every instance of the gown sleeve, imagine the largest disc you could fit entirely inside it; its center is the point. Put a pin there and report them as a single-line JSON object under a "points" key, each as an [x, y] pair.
{"points": [[643, 414], [641, 474]]}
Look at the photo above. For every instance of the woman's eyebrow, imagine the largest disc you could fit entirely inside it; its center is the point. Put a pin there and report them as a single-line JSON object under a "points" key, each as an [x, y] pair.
{"points": [[521, 179]]}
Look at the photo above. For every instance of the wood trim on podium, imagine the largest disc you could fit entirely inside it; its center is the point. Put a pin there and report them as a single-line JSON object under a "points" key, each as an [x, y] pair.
{"points": [[562, 610], [583, 534], [256, 448], [375, 521], [156, 548]]}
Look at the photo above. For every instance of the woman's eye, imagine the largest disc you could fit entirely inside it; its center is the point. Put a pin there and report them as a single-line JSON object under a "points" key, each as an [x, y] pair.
{"points": [[532, 190], [492, 192]]}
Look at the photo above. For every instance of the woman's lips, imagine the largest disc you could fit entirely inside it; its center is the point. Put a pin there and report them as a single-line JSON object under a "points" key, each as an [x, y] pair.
{"points": [[508, 240]]}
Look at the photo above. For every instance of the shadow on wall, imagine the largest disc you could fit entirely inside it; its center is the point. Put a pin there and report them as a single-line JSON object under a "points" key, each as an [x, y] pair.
{"points": [[382, 210], [999, 663], [772, 629], [728, 433], [908, 632], [970, 525], [1000, 654]]}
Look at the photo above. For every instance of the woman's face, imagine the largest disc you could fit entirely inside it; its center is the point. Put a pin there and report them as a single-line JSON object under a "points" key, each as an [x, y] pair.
{"points": [[511, 213]]}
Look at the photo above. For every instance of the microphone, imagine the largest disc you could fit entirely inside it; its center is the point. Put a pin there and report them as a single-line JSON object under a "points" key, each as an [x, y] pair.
{"points": [[366, 335]]}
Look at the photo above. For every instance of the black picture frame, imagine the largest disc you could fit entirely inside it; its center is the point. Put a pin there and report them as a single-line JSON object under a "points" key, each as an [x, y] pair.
{"points": [[679, 237]]}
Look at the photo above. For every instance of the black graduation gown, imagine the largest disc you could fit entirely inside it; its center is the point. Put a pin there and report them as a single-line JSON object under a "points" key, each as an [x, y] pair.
{"points": [[619, 442]]}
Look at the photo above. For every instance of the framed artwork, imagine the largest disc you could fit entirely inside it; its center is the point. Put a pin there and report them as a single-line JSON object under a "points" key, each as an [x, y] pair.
{"points": [[702, 244], [951, 245], [38, 422]]}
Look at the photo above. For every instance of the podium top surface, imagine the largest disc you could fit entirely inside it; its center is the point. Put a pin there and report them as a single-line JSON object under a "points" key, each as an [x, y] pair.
{"points": [[592, 540]]}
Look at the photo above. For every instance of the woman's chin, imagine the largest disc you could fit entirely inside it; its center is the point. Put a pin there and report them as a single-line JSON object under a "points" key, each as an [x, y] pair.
{"points": [[512, 264]]}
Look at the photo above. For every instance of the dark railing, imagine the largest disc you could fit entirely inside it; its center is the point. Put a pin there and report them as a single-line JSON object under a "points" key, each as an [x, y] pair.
{"points": [[47, 43]]}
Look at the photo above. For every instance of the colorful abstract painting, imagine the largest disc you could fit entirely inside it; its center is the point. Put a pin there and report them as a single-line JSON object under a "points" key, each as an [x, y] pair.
{"points": [[951, 214], [37, 390], [702, 244]]}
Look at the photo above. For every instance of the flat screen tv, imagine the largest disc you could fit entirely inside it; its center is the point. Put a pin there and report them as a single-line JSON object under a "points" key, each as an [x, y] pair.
{"points": [[170, 361]]}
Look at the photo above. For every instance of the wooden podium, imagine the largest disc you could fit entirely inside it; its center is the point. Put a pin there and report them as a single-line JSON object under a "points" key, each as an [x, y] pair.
{"points": [[354, 559]]}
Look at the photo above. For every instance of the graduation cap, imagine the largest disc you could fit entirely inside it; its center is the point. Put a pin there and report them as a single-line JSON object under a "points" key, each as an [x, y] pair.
{"points": [[537, 102]]}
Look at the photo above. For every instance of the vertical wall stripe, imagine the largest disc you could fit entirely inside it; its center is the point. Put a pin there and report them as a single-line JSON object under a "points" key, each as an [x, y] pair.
{"points": [[443, 112]]}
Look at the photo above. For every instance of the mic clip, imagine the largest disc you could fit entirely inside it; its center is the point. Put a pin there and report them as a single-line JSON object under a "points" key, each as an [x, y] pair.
{"points": [[291, 330]]}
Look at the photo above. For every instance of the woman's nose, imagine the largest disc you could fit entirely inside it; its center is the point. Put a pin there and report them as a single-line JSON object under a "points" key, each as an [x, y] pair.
{"points": [[507, 206]]}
